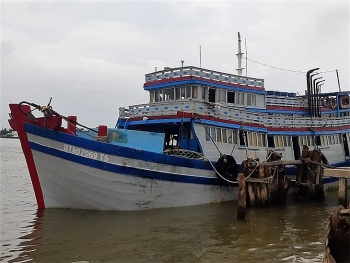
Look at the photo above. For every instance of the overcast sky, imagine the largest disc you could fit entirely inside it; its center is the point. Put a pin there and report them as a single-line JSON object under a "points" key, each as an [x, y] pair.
{"points": [[91, 57]]}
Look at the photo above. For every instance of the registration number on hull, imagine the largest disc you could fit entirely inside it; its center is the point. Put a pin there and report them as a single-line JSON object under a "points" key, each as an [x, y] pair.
{"points": [[85, 153]]}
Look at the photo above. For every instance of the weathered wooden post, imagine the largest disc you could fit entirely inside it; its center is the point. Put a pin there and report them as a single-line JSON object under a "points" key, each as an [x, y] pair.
{"points": [[337, 245], [241, 196], [343, 192], [265, 180], [310, 175]]}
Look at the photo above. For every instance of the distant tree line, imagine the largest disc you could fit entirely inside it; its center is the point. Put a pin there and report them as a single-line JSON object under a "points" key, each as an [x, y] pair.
{"points": [[5, 131]]}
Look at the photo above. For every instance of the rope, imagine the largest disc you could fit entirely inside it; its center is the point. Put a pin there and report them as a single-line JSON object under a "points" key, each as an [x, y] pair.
{"points": [[48, 111], [223, 178], [258, 164], [196, 116], [244, 140], [290, 70]]}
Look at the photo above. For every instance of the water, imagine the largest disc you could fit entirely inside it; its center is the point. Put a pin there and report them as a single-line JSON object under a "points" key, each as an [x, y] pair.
{"points": [[206, 233]]}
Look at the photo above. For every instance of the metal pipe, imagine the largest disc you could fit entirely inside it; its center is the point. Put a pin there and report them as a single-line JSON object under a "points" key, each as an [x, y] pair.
{"points": [[309, 88], [315, 97], [317, 84]]}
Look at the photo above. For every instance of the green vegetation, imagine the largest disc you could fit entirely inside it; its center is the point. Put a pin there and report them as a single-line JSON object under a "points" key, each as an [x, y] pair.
{"points": [[5, 131]]}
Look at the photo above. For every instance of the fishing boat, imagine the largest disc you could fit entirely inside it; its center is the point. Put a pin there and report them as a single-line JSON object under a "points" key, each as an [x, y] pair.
{"points": [[184, 147]]}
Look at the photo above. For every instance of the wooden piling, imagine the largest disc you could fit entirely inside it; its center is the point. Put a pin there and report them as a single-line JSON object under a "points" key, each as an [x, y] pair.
{"points": [[241, 196], [342, 193], [310, 175], [265, 180], [337, 245]]}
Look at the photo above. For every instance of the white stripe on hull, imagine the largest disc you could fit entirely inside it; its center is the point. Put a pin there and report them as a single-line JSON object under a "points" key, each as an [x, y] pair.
{"points": [[72, 185], [68, 184]]}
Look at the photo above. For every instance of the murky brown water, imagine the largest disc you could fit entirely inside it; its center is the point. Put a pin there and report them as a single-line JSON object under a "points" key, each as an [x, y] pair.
{"points": [[206, 233]]}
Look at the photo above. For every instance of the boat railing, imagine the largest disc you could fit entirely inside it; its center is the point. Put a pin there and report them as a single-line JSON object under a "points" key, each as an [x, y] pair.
{"points": [[226, 113], [297, 102], [174, 73], [306, 122], [193, 106]]}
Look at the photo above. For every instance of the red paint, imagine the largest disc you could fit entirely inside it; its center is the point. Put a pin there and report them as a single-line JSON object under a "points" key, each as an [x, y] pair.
{"points": [[18, 119], [71, 126], [102, 130], [51, 122]]}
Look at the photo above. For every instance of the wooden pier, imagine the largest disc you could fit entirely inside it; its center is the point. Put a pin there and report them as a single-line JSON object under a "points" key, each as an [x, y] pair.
{"points": [[262, 183], [343, 173]]}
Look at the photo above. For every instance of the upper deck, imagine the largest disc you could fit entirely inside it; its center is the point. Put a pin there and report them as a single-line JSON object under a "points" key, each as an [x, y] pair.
{"points": [[231, 98], [206, 75]]}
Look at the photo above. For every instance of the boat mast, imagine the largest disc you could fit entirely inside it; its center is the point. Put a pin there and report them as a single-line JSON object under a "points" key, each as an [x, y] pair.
{"points": [[239, 56]]}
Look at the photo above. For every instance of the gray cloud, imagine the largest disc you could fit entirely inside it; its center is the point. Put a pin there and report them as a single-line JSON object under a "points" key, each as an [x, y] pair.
{"points": [[91, 57]]}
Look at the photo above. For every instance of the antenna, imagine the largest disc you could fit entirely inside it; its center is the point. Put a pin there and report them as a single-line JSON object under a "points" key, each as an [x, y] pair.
{"points": [[246, 57], [239, 56], [200, 56], [338, 80]]}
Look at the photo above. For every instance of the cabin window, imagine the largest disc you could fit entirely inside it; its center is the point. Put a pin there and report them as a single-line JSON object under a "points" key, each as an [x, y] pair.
{"points": [[337, 138], [207, 133], [239, 98], [256, 139], [306, 140], [285, 141], [259, 140], [187, 92], [230, 97], [224, 136], [310, 140], [221, 135], [156, 95], [151, 96], [218, 134], [168, 94], [177, 93], [251, 138], [195, 92], [263, 137], [211, 95], [205, 92], [184, 132], [270, 142], [251, 99], [213, 133], [242, 138], [279, 141], [183, 92], [318, 140], [222, 96], [230, 137]]}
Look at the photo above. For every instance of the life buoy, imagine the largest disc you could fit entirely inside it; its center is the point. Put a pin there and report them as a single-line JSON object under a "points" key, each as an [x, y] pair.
{"points": [[329, 103], [227, 168], [344, 101], [326, 102]]}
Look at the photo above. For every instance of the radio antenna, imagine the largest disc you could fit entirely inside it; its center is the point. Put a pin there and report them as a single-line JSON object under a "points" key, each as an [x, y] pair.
{"points": [[239, 56]]}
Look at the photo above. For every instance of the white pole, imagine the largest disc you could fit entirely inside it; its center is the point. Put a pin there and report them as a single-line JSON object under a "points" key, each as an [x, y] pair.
{"points": [[239, 56]]}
